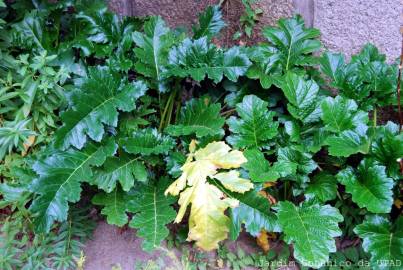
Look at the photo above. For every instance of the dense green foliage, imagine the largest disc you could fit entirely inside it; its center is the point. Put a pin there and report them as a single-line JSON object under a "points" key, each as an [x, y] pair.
{"points": [[94, 107]]}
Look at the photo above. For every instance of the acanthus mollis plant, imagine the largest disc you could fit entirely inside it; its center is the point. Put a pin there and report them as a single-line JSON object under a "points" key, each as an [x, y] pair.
{"points": [[251, 135]]}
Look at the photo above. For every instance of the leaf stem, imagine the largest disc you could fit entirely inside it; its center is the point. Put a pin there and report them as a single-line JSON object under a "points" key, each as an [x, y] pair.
{"points": [[375, 117]]}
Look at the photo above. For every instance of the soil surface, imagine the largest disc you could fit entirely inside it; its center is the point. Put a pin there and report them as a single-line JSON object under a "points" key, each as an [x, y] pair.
{"points": [[117, 249]]}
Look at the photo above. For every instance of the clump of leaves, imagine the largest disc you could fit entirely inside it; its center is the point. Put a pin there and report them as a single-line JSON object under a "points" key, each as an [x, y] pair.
{"points": [[104, 107]]}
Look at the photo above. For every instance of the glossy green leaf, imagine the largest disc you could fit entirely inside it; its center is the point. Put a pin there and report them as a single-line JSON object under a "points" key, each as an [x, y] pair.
{"points": [[125, 169], [255, 127], [383, 241], [260, 170], [152, 52], [115, 206], [199, 117], [311, 229], [340, 114], [302, 97], [95, 104], [349, 142], [210, 23], [293, 42], [369, 186], [147, 142], [199, 59], [254, 213], [323, 187], [300, 163], [153, 211], [59, 181], [388, 148]]}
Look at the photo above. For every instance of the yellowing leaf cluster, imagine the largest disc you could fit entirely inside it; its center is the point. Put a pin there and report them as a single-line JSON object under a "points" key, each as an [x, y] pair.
{"points": [[208, 224]]}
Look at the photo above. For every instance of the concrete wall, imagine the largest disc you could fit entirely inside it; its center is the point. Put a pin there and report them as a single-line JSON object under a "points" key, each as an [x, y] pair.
{"points": [[346, 25]]}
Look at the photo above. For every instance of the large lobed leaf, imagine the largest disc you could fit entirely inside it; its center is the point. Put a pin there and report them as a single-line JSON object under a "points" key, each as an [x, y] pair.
{"points": [[199, 59], [147, 142], [260, 170], [292, 42], [152, 52], [340, 114], [199, 117], [255, 127], [152, 213], [210, 23], [208, 224], [59, 181], [95, 104], [115, 206], [388, 148], [369, 186], [383, 241], [311, 229], [349, 142], [125, 169], [302, 97], [254, 213]]}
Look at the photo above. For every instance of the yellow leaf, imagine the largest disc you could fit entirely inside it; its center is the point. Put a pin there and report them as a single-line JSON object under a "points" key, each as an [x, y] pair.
{"points": [[208, 224], [263, 241], [30, 141], [398, 203], [233, 182]]}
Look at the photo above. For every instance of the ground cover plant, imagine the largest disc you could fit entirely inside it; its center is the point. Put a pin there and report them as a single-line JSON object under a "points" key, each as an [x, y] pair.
{"points": [[156, 126]]}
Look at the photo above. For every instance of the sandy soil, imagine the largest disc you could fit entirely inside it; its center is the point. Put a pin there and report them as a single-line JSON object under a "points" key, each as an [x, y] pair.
{"points": [[112, 247]]}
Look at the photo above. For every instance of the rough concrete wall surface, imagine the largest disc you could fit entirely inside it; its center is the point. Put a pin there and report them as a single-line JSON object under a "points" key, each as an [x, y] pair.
{"points": [[347, 25]]}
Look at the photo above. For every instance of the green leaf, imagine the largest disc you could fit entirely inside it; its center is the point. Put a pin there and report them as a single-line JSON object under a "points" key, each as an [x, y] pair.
{"points": [[332, 65], [388, 148], [349, 142], [152, 213], [96, 104], [300, 163], [124, 169], [210, 23], [254, 212], [259, 169], [383, 241], [255, 127], [147, 142], [115, 205], [199, 59], [59, 181], [152, 52], [369, 186], [293, 42], [174, 162], [14, 135], [323, 187], [340, 114], [311, 229], [302, 97], [199, 117]]}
